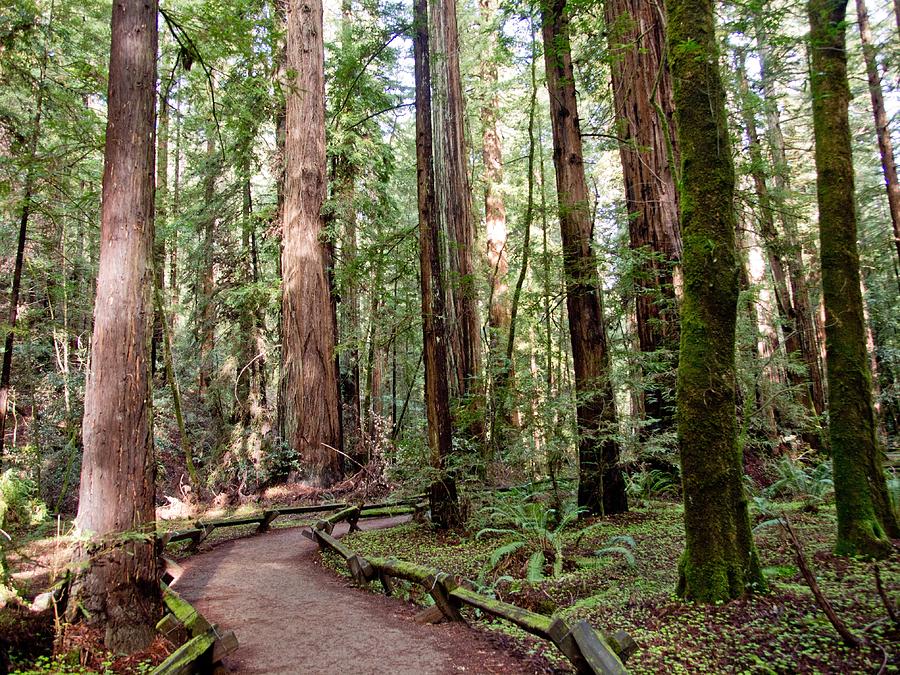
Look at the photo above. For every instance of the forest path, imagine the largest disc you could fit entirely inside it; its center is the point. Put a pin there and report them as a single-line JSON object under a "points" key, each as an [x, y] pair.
{"points": [[292, 616]]}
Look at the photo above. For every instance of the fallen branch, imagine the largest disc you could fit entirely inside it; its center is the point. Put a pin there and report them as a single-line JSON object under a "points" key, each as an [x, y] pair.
{"points": [[885, 600], [848, 637]]}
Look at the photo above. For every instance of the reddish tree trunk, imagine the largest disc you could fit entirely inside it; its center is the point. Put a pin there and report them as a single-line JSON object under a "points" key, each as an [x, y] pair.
{"points": [[454, 198], [310, 404], [642, 89], [444, 504], [601, 487], [118, 588]]}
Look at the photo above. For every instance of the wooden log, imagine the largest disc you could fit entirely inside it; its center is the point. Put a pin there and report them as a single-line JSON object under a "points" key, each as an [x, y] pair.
{"points": [[360, 568], [167, 624], [231, 522], [192, 620], [387, 511], [596, 653], [432, 614], [309, 534], [308, 508], [440, 586], [403, 570], [326, 539], [183, 535], [324, 526], [171, 570], [622, 643], [268, 517], [386, 583], [345, 514], [536, 624], [205, 531], [194, 656], [226, 644]]}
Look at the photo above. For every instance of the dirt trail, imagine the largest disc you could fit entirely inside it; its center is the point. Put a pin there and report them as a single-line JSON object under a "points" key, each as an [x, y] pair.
{"points": [[292, 616]]}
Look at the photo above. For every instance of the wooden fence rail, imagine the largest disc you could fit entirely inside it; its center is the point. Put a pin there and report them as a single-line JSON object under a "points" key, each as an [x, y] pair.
{"points": [[205, 646], [201, 529], [590, 651]]}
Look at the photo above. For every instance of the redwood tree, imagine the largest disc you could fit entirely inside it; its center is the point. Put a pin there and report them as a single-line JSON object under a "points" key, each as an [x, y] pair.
{"points": [[865, 518], [117, 589], [453, 197], [719, 560], [601, 486], [310, 403], [444, 504], [642, 91]]}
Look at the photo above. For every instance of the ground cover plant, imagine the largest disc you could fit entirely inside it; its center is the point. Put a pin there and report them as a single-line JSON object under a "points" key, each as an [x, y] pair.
{"points": [[780, 631]]}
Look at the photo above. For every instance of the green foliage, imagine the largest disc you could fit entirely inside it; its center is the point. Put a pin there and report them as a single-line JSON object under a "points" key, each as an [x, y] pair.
{"points": [[20, 508], [813, 484], [652, 484], [531, 527]]}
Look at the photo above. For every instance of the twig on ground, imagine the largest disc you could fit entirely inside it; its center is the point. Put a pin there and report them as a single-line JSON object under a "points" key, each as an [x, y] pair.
{"points": [[885, 600], [848, 637]]}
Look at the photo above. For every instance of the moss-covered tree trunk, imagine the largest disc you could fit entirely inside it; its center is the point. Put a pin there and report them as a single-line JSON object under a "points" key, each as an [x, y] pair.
{"points": [[864, 513], [719, 561]]}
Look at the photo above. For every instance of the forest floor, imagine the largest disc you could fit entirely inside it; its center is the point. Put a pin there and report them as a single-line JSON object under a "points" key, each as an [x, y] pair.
{"points": [[268, 587], [291, 615], [780, 631]]}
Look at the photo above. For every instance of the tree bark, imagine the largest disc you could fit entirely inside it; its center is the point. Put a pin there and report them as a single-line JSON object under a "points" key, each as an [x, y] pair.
{"points": [[310, 400], [601, 486], [885, 146], [719, 560], [642, 91], [444, 503], [162, 211], [118, 588], [865, 518], [454, 199], [207, 325]]}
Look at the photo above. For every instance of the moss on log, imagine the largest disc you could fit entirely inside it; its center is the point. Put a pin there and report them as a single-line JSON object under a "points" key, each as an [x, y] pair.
{"points": [[192, 620], [326, 539], [386, 511], [536, 624], [404, 570], [193, 656]]}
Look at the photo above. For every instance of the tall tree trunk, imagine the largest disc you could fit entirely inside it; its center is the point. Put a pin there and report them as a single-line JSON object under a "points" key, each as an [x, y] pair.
{"points": [[601, 486], [454, 199], [443, 497], [865, 518], [803, 316], [719, 560], [162, 211], [882, 131], [501, 370], [642, 90], [118, 588], [176, 211], [310, 401], [207, 271], [344, 177]]}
